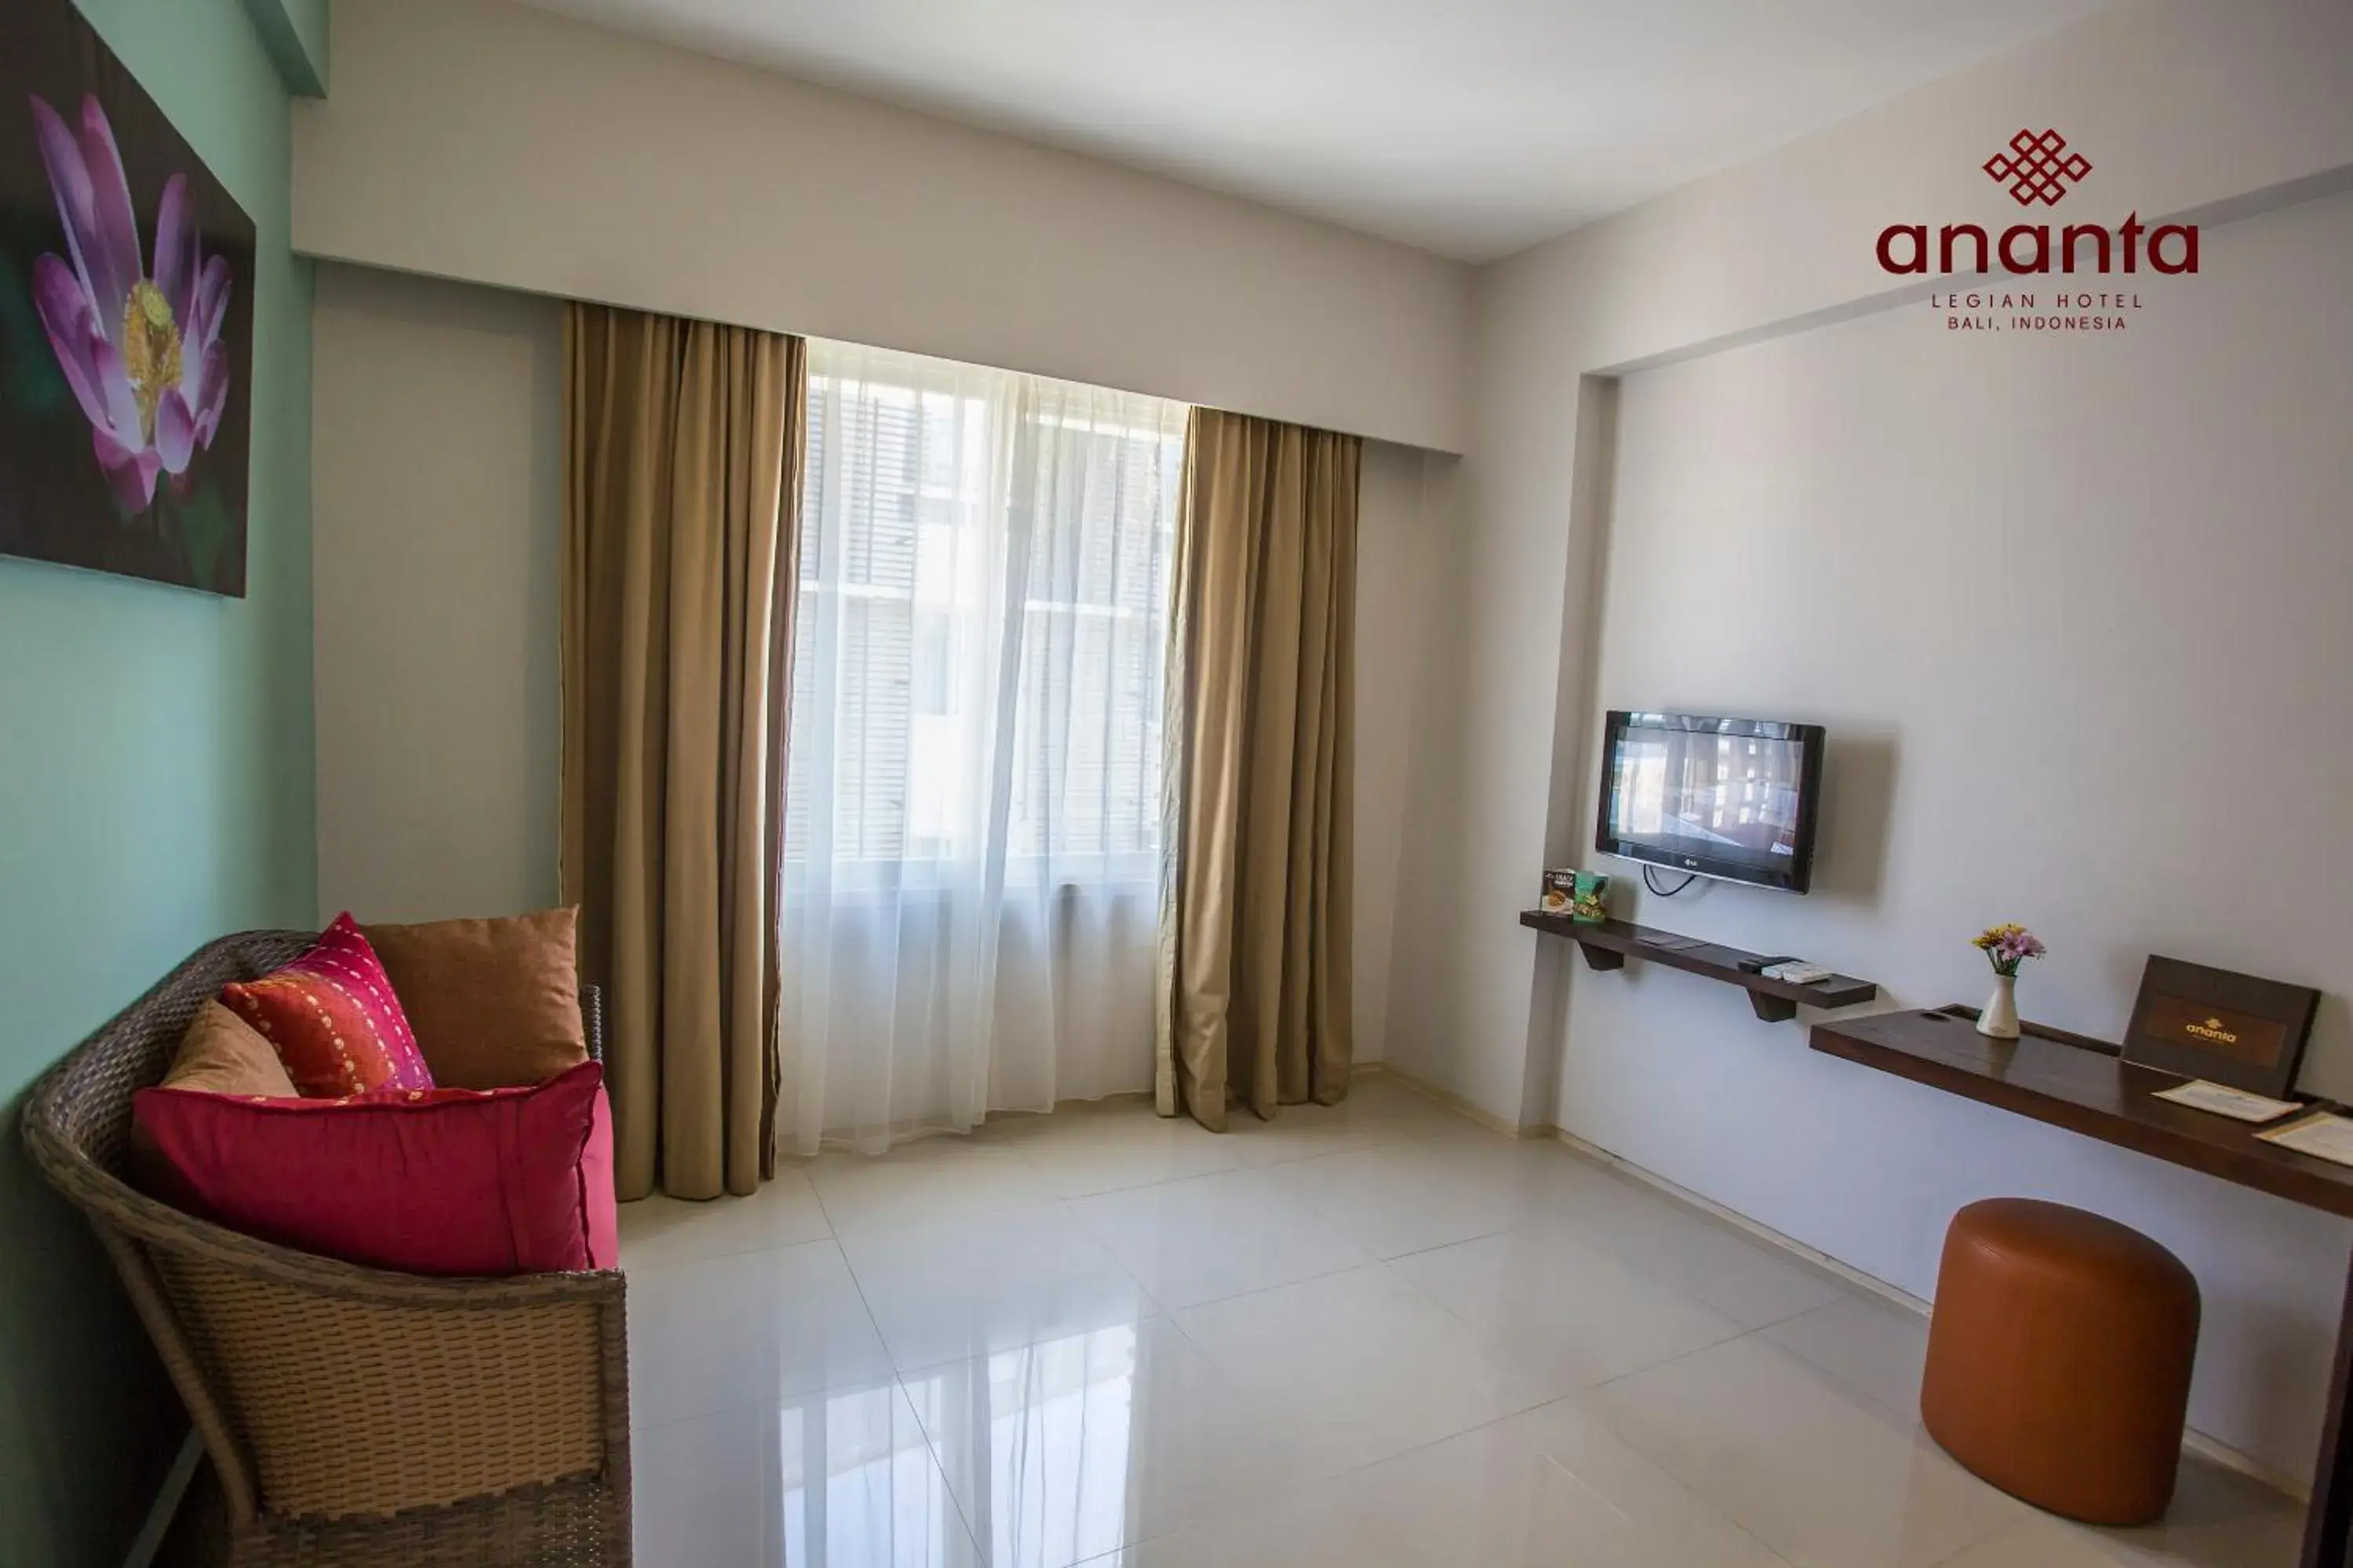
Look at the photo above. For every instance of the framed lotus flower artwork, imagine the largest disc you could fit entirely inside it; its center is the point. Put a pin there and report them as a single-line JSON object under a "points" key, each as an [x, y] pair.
{"points": [[126, 321]]}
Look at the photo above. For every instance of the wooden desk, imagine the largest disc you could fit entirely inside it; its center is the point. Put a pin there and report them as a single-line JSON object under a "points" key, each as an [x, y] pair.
{"points": [[2082, 1085]]}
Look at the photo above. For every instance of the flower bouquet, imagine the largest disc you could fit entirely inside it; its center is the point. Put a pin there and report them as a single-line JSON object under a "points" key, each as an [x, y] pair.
{"points": [[2006, 946]]}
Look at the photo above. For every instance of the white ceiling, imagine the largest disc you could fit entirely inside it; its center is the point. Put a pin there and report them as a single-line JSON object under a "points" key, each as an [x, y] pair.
{"points": [[1471, 128]]}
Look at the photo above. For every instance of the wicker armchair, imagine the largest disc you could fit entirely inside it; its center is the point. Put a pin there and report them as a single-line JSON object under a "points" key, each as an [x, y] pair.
{"points": [[353, 1415]]}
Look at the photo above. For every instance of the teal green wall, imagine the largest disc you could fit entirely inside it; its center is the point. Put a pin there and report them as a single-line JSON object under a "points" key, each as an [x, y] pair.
{"points": [[155, 790], [295, 34]]}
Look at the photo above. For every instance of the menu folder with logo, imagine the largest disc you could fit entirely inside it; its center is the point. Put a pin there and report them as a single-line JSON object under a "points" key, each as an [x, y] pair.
{"points": [[2222, 1026]]}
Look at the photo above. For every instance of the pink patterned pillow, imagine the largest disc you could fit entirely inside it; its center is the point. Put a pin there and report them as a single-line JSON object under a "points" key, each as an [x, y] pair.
{"points": [[332, 1019]]}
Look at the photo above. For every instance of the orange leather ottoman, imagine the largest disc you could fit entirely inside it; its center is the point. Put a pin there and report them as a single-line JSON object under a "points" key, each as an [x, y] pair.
{"points": [[2058, 1359]]}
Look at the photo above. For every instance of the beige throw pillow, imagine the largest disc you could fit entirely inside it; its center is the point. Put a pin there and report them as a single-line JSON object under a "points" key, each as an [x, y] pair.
{"points": [[223, 1054]]}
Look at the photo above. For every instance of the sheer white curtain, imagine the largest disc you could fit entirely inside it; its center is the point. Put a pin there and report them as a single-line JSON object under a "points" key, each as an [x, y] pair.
{"points": [[972, 815]]}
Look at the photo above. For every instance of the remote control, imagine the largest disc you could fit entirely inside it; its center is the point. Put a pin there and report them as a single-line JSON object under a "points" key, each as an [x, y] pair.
{"points": [[1796, 974]]}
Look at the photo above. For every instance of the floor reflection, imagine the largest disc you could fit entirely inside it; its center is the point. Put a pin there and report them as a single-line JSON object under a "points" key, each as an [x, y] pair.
{"points": [[860, 1488], [1039, 1443], [843, 1478]]}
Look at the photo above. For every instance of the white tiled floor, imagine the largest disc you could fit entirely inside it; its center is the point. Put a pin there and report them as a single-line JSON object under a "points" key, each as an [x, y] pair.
{"points": [[1374, 1334]]}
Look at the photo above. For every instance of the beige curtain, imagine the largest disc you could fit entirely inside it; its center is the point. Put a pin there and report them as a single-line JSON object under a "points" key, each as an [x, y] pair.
{"points": [[1256, 909], [682, 467]]}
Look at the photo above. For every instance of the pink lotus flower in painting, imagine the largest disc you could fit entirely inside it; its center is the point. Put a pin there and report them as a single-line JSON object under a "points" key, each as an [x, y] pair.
{"points": [[139, 346]]}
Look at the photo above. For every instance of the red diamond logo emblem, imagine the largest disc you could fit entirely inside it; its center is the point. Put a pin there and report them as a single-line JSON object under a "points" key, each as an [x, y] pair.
{"points": [[2038, 168]]}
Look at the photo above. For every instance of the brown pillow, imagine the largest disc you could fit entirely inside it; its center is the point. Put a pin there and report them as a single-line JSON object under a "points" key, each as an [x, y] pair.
{"points": [[223, 1054], [495, 1004]]}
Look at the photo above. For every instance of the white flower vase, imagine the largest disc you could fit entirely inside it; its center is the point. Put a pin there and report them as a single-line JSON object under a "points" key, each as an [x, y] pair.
{"points": [[2000, 1018]]}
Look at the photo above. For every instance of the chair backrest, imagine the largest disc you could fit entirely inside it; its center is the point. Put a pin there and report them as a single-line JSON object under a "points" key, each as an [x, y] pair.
{"points": [[78, 1117]]}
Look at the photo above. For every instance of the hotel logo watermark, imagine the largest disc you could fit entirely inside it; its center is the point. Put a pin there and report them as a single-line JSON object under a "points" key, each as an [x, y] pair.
{"points": [[2038, 168]]}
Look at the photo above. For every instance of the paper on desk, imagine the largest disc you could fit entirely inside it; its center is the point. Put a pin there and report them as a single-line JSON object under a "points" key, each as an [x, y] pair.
{"points": [[2224, 1101], [2329, 1137]]}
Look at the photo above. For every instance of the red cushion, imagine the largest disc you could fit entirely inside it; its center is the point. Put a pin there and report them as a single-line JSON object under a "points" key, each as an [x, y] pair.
{"points": [[333, 1019], [436, 1181], [596, 1187]]}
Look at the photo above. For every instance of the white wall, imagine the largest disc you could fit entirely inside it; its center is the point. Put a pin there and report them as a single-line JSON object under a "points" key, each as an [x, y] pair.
{"points": [[439, 451], [2073, 614], [2184, 107], [435, 556], [1402, 524], [479, 141]]}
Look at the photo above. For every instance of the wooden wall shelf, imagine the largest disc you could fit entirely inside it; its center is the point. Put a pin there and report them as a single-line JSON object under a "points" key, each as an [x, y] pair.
{"points": [[1609, 944]]}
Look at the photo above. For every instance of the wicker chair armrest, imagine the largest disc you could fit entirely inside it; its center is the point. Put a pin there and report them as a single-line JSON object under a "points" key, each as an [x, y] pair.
{"points": [[158, 1224], [407, 1394]]}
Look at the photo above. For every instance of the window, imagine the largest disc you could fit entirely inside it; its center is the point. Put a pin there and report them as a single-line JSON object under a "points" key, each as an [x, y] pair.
{"points": [[979, 640], [1094, 643]]}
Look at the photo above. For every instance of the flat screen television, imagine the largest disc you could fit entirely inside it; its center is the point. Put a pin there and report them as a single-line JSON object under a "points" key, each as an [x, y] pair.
{"points": [[1731, 798]]}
